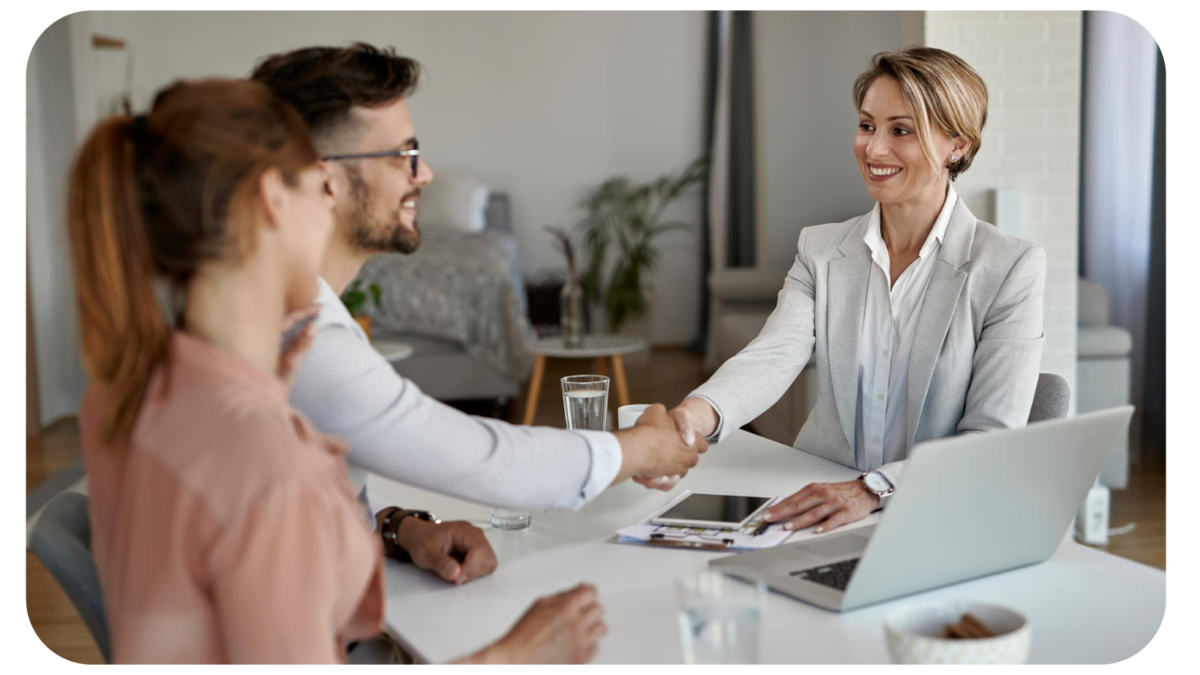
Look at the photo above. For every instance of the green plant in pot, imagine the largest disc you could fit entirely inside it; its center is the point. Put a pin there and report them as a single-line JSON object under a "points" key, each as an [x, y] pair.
{"points": [[355, 300], [627, 217]]}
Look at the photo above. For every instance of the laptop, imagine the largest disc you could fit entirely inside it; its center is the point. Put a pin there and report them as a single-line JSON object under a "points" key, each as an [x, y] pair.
{"points": [[969, 506]]}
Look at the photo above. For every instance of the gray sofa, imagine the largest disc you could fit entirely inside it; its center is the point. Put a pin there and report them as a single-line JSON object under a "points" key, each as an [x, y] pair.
{"points": [[442, 368], [743, 298]]}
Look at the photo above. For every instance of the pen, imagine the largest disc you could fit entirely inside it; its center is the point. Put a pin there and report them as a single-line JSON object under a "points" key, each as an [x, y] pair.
{"points": [[761, 528]]}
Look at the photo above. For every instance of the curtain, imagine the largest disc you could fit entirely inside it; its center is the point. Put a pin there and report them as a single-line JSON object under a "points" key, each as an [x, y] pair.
{"points": [[1117, 175], [728, 228], [1154, 394]]}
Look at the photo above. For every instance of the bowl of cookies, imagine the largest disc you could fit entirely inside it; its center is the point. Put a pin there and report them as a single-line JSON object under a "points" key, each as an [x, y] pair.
{"points": [[957, 633]]}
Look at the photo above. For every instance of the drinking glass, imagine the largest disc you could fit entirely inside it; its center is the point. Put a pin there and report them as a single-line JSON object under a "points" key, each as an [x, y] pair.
{"points": [[719, 615], [585, 401], [509, 519]]}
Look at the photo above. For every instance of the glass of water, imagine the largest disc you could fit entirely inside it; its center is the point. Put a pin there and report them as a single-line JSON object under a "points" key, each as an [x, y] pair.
{"points": [[509, 519], [585, 401], [719, 615]]}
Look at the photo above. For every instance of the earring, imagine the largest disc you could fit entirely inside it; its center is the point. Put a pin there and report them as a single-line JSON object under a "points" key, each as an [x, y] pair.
{"points": [[953, 158]]}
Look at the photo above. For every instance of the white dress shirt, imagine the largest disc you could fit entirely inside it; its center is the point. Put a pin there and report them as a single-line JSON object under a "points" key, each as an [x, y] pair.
{"points": [[889, 327], [347, 389]]}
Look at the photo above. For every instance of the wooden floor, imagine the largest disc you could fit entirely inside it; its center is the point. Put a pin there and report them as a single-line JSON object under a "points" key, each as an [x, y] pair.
{"points": [[665, 377]]}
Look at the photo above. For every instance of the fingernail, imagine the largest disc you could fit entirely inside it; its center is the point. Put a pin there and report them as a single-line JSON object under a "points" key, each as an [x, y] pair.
{"points": [[819, 530], [767, 515], [450, 569], [690, 438], [787, 526]]}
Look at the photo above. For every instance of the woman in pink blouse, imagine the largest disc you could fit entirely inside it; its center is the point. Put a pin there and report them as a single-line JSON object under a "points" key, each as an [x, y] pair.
{"points": [[223, 526]]}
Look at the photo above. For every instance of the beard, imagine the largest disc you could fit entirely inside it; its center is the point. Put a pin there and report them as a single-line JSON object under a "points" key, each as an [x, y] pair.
{"points": [[368, 232]]}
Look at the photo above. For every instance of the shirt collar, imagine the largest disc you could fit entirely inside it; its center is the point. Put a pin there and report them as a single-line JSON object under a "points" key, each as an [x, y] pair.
{"points": [[874, 236]]}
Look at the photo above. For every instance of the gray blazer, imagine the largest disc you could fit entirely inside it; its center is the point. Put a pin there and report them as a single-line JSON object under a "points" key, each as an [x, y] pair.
{"points": [[974, 365]]}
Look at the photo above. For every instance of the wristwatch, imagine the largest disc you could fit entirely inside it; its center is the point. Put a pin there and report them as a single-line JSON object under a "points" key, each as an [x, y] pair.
{"points": [[390, 529], [879, 485]]}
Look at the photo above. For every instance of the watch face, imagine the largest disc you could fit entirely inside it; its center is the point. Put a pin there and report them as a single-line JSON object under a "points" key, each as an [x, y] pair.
{"points": [[877, 482]]}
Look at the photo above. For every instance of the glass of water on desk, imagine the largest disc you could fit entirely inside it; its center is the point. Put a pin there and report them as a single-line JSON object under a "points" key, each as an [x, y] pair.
{"points": [[585, 401], [719, 616]]}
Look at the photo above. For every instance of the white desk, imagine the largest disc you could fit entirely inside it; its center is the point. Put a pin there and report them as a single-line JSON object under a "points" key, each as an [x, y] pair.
{"points": [[1085, 606]]}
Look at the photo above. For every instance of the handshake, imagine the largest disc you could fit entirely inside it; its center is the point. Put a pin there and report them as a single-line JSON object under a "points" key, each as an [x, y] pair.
{"points": [[662, 446]]}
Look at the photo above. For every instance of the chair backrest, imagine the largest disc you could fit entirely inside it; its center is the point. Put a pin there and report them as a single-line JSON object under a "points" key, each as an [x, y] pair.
{"points": [[62, 540], [1051, 400]]}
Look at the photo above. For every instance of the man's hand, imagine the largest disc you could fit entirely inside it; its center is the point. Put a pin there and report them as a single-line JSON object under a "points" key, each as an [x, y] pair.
{"points": [[654, 447], [694, 418], [457, 552], [563, 628]]}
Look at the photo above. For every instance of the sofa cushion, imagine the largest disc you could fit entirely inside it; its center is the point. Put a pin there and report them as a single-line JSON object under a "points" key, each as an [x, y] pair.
{"points": [[736, 329], [455, 202], [1104, 342], [748, 284]]}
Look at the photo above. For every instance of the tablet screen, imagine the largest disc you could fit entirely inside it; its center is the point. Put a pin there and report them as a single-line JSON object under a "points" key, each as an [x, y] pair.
{"points": [[716, 508]]}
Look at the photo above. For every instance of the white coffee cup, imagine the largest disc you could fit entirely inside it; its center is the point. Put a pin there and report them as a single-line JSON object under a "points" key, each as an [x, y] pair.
{"points": [[627, 415]]}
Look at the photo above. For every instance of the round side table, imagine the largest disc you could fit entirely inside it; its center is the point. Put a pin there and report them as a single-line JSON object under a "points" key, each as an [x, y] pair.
{"points": [[599, 347], [393, 350]]}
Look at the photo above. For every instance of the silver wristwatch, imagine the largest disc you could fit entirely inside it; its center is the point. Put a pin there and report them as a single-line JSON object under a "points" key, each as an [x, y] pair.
{"points": [[879, 485]]}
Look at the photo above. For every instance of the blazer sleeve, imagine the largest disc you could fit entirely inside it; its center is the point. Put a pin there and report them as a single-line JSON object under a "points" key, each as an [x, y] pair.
{"points": [[758, 376]]}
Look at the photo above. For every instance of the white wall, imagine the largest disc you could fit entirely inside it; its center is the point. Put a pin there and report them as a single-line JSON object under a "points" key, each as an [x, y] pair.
{"points": [[540, 105], [805, 65], [51, 140], [1031, 64]]}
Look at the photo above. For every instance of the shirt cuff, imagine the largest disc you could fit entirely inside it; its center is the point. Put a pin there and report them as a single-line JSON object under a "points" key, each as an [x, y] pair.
{"points": [[894, 472], [716, 434], [606, 460]]}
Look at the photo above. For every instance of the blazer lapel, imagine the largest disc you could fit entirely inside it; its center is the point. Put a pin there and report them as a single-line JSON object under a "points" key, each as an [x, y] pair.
{"points": [[848, 277], [937, 311]]}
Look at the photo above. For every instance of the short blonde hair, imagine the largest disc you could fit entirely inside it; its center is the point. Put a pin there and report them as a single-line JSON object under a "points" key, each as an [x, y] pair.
{"points": [[942, 91]]}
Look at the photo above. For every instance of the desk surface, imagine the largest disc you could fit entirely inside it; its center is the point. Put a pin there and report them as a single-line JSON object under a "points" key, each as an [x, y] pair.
{"points": [[1085, 606]]}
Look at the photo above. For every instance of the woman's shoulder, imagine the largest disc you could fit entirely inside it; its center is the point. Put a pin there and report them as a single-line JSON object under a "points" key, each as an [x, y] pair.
{"points": [[816, 240], [992, 247]]}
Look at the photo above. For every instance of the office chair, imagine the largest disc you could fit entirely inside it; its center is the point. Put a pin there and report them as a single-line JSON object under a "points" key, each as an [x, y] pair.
{"points": [[1051, 399]]}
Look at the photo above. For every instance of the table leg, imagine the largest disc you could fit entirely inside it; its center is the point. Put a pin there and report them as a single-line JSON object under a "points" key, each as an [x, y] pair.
{"points": [[535, 388], [619, 380], [601, 366]]}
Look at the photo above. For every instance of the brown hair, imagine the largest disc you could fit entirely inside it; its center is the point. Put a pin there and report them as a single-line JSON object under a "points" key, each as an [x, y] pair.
{"points": [[157, 196], [324, 83], [942, 91]]}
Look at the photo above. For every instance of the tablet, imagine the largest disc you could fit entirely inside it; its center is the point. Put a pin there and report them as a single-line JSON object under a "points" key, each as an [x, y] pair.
{"points": [[726, 512]]}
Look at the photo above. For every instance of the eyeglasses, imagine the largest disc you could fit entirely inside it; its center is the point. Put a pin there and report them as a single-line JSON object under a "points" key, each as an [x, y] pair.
{"points": [[414, 153]]}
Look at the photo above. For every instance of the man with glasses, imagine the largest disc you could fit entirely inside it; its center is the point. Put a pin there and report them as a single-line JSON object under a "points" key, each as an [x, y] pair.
{"points": [[353, 100]]}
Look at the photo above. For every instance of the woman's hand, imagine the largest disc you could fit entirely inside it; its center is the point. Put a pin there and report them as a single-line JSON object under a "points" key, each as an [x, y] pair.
{"points": [[830, 504], [563, 628], [292, 352], [694, 418]]}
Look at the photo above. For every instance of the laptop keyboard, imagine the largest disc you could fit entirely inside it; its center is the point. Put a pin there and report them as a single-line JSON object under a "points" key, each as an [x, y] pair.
{"points": [[836, 575]]}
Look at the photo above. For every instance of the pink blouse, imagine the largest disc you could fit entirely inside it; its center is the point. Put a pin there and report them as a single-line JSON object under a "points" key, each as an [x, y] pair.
{"points": [[226, 530]]}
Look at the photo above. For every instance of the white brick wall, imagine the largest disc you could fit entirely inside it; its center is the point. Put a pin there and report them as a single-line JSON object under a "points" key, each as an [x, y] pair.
{"points": [[1031, 64]]}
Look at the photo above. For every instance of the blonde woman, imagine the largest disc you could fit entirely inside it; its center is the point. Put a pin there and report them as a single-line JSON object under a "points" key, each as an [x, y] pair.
{"points": [[922, 321]]}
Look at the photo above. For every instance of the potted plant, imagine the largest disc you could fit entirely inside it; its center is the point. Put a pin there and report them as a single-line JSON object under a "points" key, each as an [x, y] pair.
{"points": [[355, 299], [627, 216]]}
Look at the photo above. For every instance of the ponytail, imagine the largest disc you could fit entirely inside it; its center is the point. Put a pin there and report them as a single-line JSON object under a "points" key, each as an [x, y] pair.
{"points": [[155, 197], [124, 332]]}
